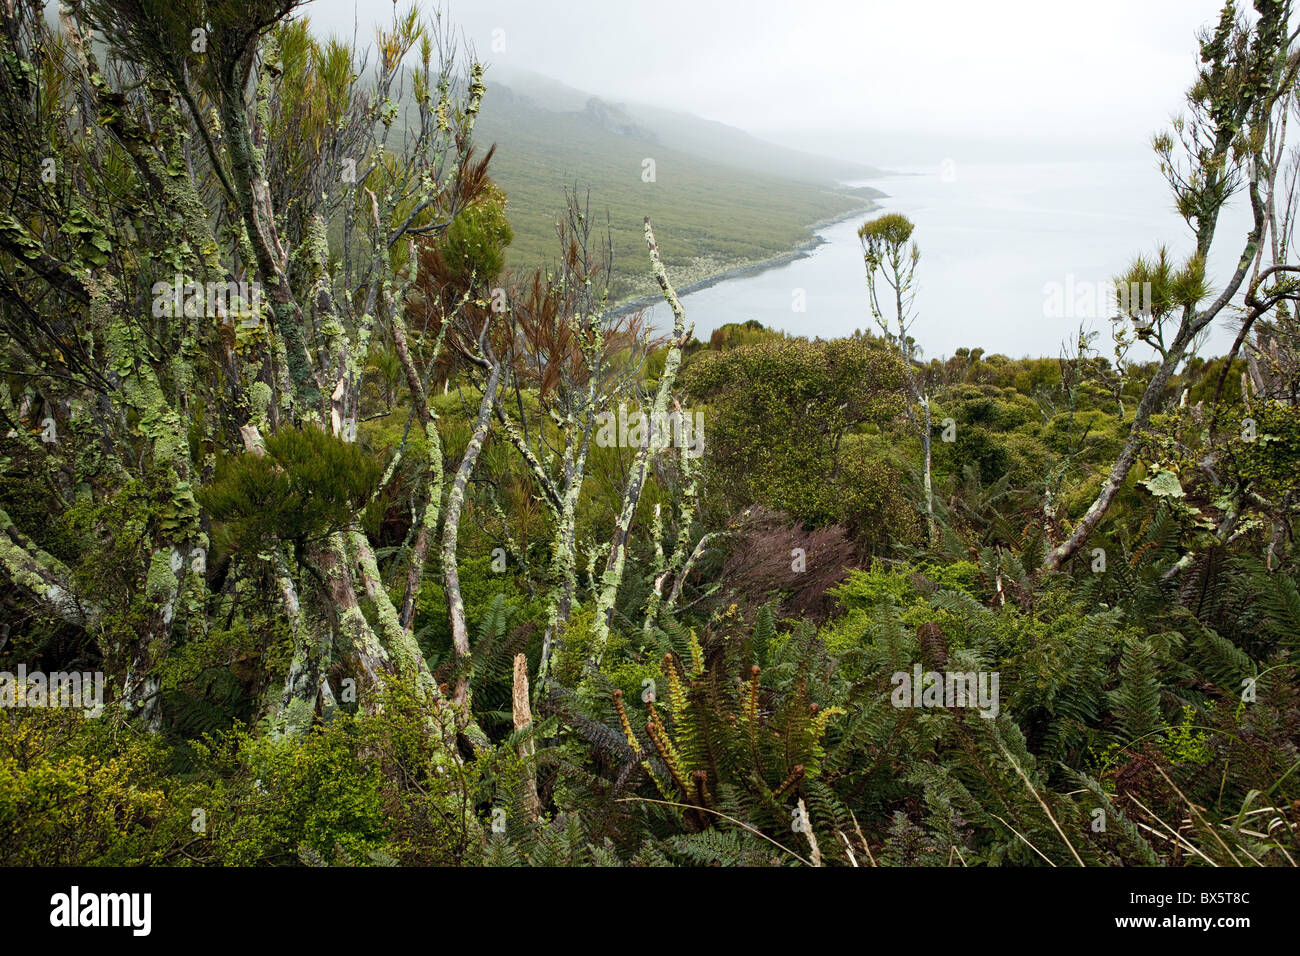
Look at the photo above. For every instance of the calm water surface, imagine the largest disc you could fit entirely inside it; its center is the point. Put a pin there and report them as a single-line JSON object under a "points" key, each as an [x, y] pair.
{"points": [[996, 241]]}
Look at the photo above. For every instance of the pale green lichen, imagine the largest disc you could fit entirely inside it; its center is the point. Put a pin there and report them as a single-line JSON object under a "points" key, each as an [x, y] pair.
{"points": [[259, 402], [160, 581]]}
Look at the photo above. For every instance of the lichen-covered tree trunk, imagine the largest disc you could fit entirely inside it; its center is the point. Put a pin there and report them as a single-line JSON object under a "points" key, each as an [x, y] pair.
{"points": [[564, 556], [355, 640], [250, 192], [683, 557], [1192, 323], [656, 441], [397, 640], [931, 531], [451, 532], [305, 686], [1119, 471], [171, 565], [433, 491]]}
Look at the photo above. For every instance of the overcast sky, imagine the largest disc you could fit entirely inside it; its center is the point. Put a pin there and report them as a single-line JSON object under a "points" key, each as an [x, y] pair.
{"points": [[880, 81]]}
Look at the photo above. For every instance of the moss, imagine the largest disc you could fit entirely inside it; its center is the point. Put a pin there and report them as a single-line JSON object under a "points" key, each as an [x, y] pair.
{"points": [[259, 401], [161, 581]]}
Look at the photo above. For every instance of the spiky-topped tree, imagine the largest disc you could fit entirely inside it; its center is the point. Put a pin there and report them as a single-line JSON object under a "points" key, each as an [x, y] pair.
{"points": [[1236, 107], [888, 257]]}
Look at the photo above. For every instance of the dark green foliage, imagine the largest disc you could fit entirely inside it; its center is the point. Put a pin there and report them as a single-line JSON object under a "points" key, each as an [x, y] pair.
{"points": [[735, 334], [802, 403], [308, 484], [1137, 699]]}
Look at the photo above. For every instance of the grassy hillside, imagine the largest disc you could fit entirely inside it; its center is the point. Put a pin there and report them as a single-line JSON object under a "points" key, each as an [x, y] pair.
{"points": [[692, 134], [710, 216]]}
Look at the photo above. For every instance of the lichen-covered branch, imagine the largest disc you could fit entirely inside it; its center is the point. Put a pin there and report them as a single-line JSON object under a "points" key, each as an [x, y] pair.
{"points": [[451, 531], [655, 443], [43, 576]]}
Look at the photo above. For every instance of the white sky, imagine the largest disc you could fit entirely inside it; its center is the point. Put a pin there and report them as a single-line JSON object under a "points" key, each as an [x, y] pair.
{"points": [[871, 80]]}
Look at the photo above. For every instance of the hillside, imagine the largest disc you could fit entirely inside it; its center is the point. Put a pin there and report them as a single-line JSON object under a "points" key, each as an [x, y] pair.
{"points": [[746, 204], [695, 135]]}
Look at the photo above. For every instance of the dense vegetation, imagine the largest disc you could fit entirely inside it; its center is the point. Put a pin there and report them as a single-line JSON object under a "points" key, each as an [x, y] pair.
{"points": [[374, 577]]}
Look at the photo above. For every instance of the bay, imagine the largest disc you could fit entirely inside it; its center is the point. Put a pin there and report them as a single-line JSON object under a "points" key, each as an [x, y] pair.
{"points": [[1008, 253]]}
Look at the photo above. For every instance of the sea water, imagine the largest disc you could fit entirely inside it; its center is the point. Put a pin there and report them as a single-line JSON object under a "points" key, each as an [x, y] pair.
{"points": [[1008, 252]]}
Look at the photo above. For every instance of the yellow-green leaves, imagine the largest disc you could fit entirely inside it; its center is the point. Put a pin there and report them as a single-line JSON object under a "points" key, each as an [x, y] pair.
{"points": [[1164, 288], [884, 237]]}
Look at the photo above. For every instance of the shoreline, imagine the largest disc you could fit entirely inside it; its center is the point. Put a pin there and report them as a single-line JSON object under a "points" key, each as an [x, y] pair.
{"points": [[747, 270]]}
